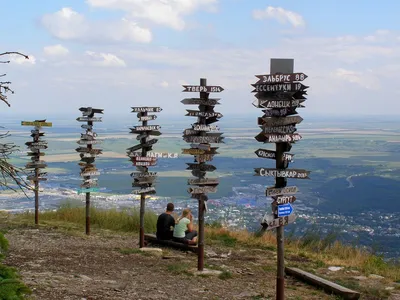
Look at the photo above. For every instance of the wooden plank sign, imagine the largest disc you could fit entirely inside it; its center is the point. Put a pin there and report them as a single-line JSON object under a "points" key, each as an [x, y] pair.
{"points": [[282, 112], [143, 175], [295, 103], [138, 129], [202, 167], [264, 153], [278, 138], [201, 146], [273, 191], [144, 163], [196, 113], [155, 154], [147, 118], [203, 158], [277, 78], [89, 190], [35, 153], [148, 190], [200, 101], [193, 151], [279, 87], [203, 139], [199, 173], [89, 151], [280, 121], [272, 222], [89, 142], [86, 126], [91, 110], [203, 181], [146, 109], [87, 185], [89, 119], [198, 127], [283, 199], [202, 190], [279, 129], [36, 123], [144, 158], [34, 178], [37, 147], [287, 173], [90, 173], [34, 165], [202, 89]]}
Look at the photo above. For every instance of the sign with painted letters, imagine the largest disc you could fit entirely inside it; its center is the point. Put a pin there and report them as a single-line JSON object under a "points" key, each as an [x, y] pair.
{"points": [[155, 154], [264, 153], [202, 190], [37, 123], [147, 118], [89, 142], [136, 129], [287, 173], [202, 89], [143, 158], [146, 109], [280, 129], [282, 112], [278, 138], [278, 78], [201, 167], [201, 101], [284, 210], [89, 151], [278, 103], [205, 127], [144, 163], [89, 190], [196, 113], [282, 199], [203, 181], [148, 190], [90, 173], [272, 222], [280, 121], [279, 87], [89, 119], [203, 139], [144, 174]]}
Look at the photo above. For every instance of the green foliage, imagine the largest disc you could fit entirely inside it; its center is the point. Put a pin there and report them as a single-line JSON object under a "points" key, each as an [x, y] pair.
{"points": [[179, 268], [223, 238], [11, 288], [225, 275]]}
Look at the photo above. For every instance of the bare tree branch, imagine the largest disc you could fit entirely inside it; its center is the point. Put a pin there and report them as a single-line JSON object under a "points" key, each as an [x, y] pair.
{"points": [[14, 52]]}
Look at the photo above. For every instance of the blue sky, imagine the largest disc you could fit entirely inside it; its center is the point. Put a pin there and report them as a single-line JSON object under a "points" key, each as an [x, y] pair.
{"points": [[120, 53]]}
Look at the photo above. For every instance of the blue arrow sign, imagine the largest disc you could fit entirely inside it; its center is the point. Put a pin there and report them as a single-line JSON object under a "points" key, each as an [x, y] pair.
{"points": [[93, 189], [284, 210]]}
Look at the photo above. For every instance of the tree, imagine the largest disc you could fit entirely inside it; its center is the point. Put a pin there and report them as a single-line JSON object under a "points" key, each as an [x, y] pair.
{"points": [[10, 175]]}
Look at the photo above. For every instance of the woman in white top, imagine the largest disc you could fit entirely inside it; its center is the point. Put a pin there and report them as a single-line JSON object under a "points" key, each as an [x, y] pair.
{"points": [[183, 231]]}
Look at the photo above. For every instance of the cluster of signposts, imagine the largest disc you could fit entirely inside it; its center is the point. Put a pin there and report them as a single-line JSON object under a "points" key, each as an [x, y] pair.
{"points": [[37, 164], [200, 135], [279, 94], [88, 155]]}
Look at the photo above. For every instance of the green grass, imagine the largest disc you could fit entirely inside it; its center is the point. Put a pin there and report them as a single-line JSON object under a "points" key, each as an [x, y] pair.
{"points": [[11, 287], [126, 220], [225, 275], [179, 268]]}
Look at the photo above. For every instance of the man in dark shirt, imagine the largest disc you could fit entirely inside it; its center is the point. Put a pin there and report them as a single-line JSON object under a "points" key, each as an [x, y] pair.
{"points": [[166, 224]]}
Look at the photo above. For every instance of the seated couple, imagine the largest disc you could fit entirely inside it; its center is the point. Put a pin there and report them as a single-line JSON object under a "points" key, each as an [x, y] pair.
{"points": [[180, 231]]}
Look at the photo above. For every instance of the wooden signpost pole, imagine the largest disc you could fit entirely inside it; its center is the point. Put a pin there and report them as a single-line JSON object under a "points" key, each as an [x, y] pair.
{"points": [[36, 164], [88, 155], [143, 159], [201, 137], [281, 96]]}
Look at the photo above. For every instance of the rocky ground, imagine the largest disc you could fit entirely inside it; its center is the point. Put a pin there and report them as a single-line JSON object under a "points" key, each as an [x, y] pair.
{"points": [[60, 265]]}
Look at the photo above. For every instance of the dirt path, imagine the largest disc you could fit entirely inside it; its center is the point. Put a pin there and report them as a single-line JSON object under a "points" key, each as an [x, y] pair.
{"points": [[57, 265]]}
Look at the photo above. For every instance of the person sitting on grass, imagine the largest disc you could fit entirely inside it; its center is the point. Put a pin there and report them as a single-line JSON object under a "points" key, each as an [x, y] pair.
{"points": [[166, 224], [183, 231]]}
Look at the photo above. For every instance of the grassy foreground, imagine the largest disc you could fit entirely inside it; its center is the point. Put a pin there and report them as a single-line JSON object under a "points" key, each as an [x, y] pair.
{"points": [[316, 250], [11, 288]]}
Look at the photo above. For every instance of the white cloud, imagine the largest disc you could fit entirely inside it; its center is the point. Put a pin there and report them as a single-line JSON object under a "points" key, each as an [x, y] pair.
{"points": [[21, 60], [281, 15], [168, 13], [366, 79], [67, 24], [55, 50], [105, 59]]}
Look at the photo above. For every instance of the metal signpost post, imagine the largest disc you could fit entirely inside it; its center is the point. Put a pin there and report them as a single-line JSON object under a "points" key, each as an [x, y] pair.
{"points": [[144, 179], [88, 155], [200, 135], [280, 94], [36, 164]]}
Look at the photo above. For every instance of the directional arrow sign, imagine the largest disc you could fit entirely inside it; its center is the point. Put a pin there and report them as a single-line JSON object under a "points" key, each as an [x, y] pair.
{"points": [[147, 118], [201, 167], [149, 190], [189, 131], [280, 112], [277, 78], [288, 173], [200, 146], [203, 139], [205, 127], [193, 151], [89, 142], [281, 95], [88, 160], [86, 126], [88, 136], [90, 173], [38, 143], [278, 103], [203, 181], [273, 222], [89, 151], [144, 163], [279, 87], [196, 113], [283, 199], [280, 121], [202, 89], [92, 110], [277, 138], [138, 129], [37, 123], [146, 109], [284, 210], [143, 158], [279, 129], [90, 190], [264, 153], [37, 147], [204, 157], [88, 119], [33, 178], [199, 173], [34, 165], [35, 153], [145, 174], [202, 190], [200, 101]]}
